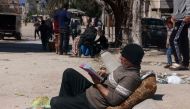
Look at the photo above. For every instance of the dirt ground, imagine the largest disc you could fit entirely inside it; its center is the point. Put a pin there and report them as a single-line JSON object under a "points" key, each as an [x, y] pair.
{"points": [[27, 72]]}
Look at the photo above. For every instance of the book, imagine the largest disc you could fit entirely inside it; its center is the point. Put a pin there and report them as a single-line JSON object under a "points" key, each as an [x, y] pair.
{"points": [[91, 71]]}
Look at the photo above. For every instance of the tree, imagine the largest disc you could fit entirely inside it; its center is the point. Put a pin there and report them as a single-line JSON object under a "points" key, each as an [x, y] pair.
{"points": [[124, 12], [91, 8], [118, 8], [136, 21], [32, 6]]}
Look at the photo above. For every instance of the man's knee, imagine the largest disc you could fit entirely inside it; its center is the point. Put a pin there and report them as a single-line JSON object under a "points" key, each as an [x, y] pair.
{"points": [[69, 71], [53, 102]]}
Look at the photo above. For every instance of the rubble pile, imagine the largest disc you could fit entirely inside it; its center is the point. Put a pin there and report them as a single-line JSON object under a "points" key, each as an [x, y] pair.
{"points": [[172, 78]]}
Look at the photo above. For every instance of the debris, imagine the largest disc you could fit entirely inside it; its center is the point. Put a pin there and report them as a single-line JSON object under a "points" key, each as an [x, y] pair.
{"points": [[174, 79], [161, 78], [41, 102], [19, 94]]}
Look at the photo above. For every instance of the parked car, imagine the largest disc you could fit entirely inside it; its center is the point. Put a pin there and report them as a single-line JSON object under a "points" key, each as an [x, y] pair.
{"points": [[10, 25], [154, 32]]}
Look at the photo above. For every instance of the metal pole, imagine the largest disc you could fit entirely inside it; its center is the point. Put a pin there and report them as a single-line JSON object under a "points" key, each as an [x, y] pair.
{"points": [[37, 6]]}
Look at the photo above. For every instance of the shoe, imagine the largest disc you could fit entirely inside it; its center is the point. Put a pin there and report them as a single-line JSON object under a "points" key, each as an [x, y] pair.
{"points": [[60, 53], [73, 55], [65, 53], [167, 66], [178, 68], [175, 65]]}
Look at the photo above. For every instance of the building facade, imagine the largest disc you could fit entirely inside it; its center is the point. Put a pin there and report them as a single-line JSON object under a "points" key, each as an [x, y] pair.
{"points": [[157, 8], [10, 6]]}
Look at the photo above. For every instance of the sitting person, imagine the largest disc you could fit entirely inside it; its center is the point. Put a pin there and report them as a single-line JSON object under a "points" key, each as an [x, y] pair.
{"points": [[77, 92], [87, 40], [102, 39]]}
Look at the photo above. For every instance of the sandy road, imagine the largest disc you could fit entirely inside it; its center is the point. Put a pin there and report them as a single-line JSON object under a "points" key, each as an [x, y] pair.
{"points": [[27, 72]]}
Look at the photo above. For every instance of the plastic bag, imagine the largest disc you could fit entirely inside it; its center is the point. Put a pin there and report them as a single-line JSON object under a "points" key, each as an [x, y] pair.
{"points": [[174, 79]]}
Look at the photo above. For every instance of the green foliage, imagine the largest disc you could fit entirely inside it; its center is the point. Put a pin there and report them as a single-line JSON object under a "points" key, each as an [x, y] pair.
{"points": [[90, 7]]}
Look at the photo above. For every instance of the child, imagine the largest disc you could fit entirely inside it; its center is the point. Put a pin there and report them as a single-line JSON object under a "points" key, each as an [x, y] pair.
{"points": [[169, 25]]}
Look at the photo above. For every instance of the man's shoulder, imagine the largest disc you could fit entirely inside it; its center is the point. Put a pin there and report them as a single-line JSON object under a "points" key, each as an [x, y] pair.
{"points": [[131, 72]]}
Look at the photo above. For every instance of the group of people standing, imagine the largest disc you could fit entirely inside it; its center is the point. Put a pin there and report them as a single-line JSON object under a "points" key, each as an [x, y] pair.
{"points": [[83, 43], [62, 26], [178, 42]]}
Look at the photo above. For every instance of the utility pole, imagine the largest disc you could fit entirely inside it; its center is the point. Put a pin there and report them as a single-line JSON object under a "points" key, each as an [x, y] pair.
{"points": [[37, 7]]}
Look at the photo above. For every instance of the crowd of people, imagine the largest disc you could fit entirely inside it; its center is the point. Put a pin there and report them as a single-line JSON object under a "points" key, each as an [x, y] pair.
{"points": [[61, 27]]}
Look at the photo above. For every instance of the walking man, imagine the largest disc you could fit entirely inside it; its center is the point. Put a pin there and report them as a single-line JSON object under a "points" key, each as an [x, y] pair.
{"points": [[36, 26], [180, 42], [43, 28]]}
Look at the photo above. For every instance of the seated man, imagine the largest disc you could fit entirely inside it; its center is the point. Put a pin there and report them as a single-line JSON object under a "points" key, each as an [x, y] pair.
{"points": [[77, 92], [87, 41]]}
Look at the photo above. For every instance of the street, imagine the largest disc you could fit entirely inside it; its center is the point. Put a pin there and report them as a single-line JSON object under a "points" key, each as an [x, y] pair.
{"points": [[28, 72]]}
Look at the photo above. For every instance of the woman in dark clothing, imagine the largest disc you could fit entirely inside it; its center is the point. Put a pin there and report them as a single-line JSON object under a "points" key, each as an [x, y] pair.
{"points": [[102, 39], [43, 28]]}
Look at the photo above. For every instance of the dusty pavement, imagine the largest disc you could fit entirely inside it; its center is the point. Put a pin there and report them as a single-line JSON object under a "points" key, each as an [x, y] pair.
{"points": [[27, 72]]}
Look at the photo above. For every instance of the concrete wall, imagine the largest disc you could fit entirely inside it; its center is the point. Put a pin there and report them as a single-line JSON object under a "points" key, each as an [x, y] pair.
{"points": [[164, 4], [157, 8]]}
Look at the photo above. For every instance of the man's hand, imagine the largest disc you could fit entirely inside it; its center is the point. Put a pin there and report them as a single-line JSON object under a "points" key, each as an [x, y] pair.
{"points": [[173, 19], [186, 19], [102, 72], [96, 80], [101, 88]]}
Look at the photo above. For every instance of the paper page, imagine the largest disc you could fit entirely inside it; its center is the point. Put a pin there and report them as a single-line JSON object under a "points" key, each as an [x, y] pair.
{"points": [[91, 71]]}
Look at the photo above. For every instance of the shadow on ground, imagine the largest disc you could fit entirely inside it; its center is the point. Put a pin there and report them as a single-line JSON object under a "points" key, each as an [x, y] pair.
{"points": [[158, 97], [20, 47]]}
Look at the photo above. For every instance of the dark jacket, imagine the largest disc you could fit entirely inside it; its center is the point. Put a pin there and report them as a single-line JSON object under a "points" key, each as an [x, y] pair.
{"points": [[43, 28]]}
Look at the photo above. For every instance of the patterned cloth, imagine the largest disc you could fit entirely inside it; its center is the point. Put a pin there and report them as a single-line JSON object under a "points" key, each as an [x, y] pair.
{"points": [[75, 48]]}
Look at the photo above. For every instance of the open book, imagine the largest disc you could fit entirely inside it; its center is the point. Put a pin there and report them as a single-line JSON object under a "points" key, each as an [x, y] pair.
{"points": [[91, 71]]}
